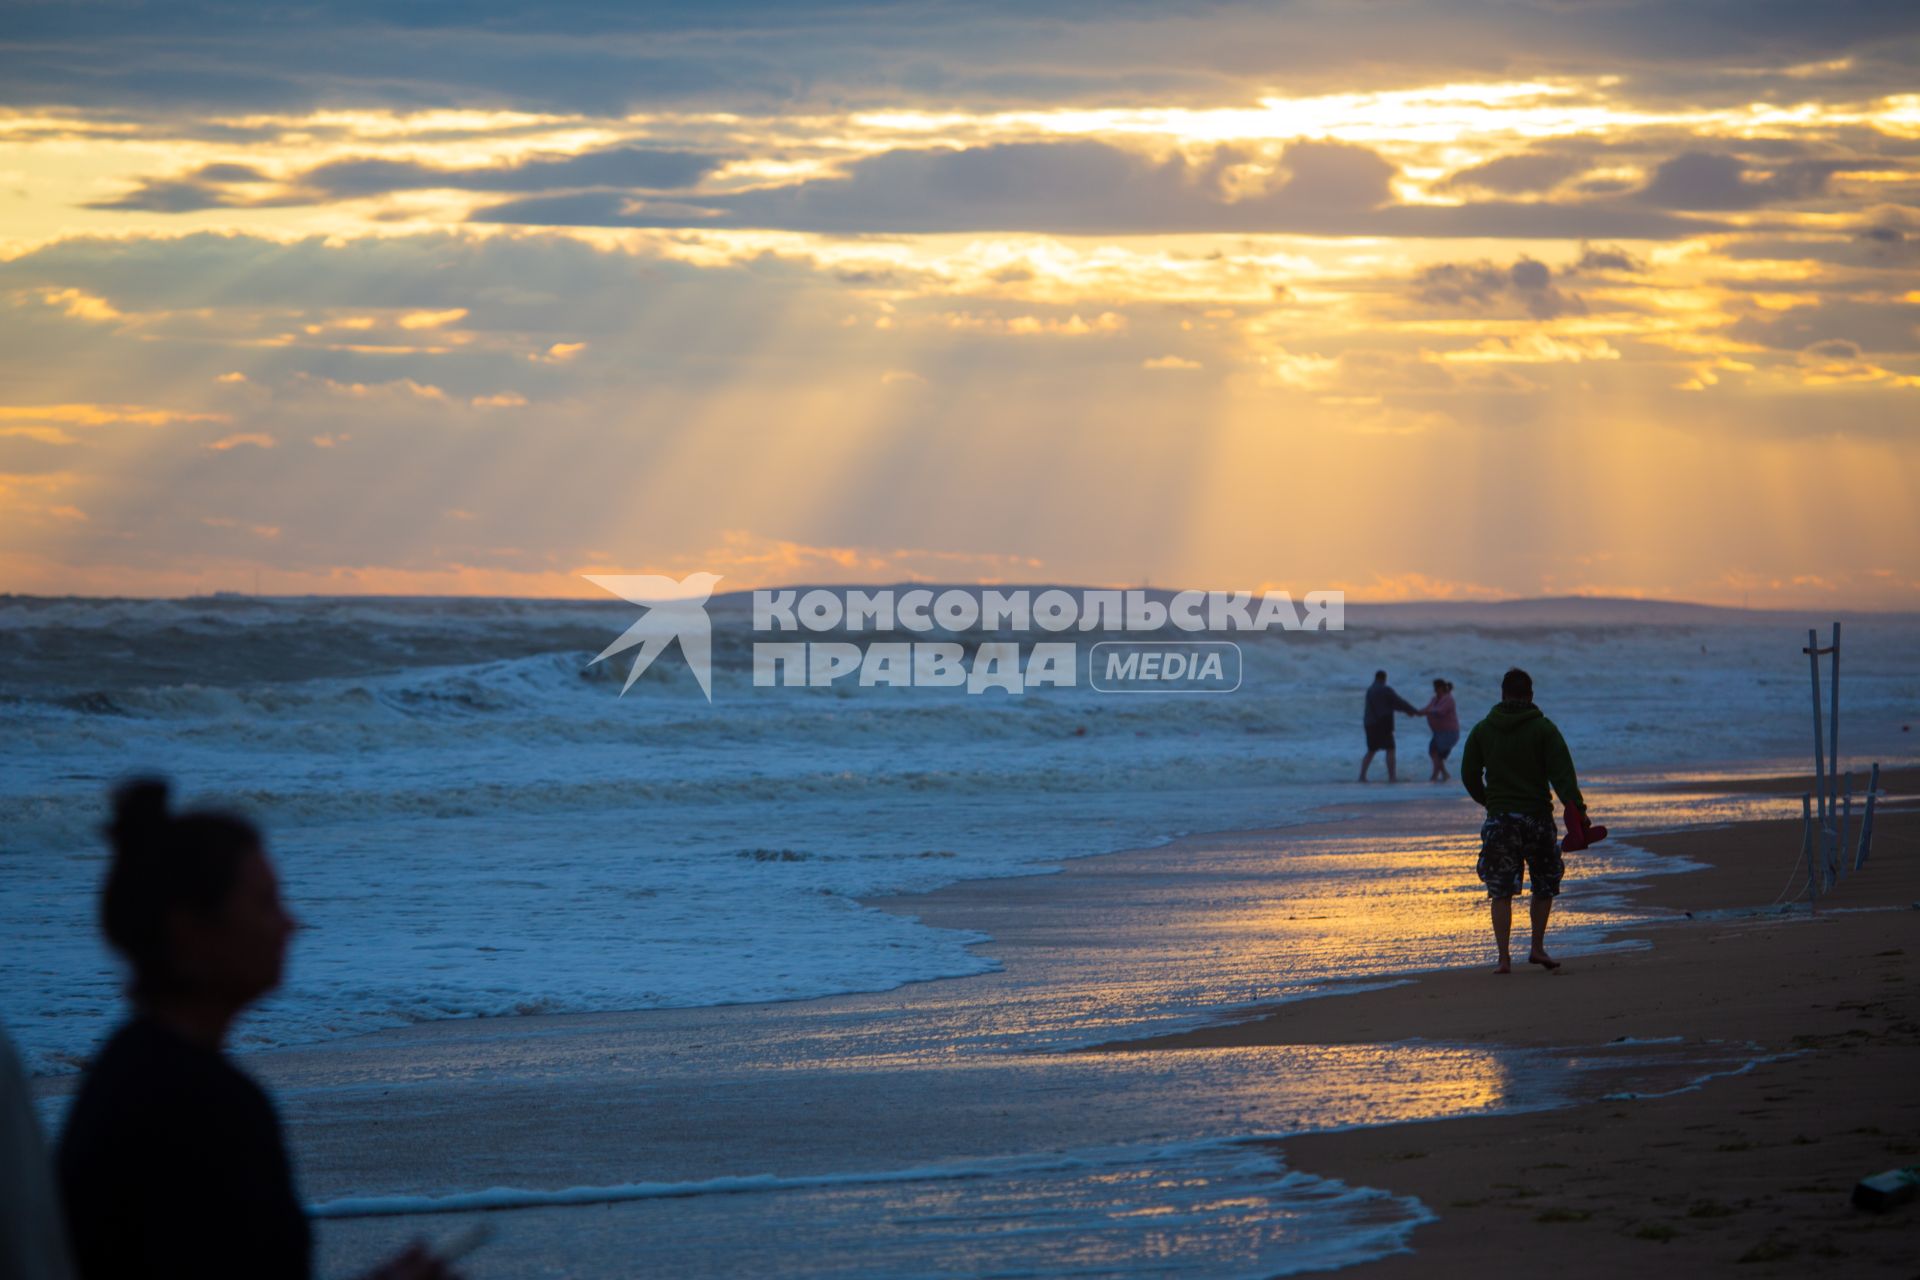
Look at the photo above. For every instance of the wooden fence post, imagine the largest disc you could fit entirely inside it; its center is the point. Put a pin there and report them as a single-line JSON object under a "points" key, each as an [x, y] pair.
{"points": [[1840, 866], [1866, 821], [1807, 853], [1819, 746]]}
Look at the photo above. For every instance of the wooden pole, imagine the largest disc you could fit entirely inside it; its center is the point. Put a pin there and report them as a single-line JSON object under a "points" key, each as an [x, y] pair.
{"points": [[1806, 849], [1819, 747], [1866, 821], [1840, 841], [1833, 758]]}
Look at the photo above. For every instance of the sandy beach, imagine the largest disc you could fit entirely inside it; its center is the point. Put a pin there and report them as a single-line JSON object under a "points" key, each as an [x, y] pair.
{"points": [[1745, 1175]]}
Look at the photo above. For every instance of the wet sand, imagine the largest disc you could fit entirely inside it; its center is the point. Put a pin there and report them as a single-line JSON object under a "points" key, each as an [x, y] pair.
{"points": [[1744, 1176]]}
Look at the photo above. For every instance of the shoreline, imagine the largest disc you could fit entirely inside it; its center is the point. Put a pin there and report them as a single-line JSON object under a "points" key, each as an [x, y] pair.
{"points": [[367, 1114], [1345, 803], [1743, 1175], [960, 906]]}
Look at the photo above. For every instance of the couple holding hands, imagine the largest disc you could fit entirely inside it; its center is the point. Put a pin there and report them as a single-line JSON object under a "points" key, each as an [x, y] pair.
{"points": [[1442, 719]]}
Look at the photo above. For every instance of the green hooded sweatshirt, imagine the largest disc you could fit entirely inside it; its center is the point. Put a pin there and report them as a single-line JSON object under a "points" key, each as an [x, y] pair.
{"points": [[1521, 752]]}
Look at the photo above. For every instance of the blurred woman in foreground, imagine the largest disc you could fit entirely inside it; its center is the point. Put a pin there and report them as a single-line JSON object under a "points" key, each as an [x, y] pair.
{"points": [[172, 1162]]}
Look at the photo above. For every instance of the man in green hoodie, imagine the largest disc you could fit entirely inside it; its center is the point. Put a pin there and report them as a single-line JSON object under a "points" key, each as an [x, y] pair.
{"points": [[1521, 754]]}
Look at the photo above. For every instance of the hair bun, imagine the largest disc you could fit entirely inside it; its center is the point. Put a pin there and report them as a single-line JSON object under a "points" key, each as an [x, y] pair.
{"points": [[139, 813]]}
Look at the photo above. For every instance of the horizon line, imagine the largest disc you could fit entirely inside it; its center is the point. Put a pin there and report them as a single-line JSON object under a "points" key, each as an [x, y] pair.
{"points": [[1351, 599]]}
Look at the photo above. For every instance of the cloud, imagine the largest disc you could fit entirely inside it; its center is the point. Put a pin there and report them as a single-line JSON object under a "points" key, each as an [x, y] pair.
{"points": [[1885, 235], [1889, 243], [597, 56], [1836, 361], [1089, 187], [1360, 376], [171, 195], [433, 319], [1700, 180], [1592, 259], [1835, 349], [1891, 236], [1486, 286], [401, 390], [1027, 326], [95, 415], [638, 168], [1891, 327], [210, 186], [1534, 348], [241, 439], [228, 522], [1077, 186], [533, 283], [1526, 172], [573, 318]]}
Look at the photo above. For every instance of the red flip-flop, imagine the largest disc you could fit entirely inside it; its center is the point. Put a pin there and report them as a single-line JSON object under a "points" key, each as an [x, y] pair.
{"points": [[1580, 832]]}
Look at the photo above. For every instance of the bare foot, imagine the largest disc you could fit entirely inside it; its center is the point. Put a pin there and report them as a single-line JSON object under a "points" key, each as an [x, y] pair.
{"points": [[1544, 960], [1505, 966]]}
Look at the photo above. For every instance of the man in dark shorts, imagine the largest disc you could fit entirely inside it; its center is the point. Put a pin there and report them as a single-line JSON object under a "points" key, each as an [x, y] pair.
{"points": [[1382, 702], [1521, 754]]}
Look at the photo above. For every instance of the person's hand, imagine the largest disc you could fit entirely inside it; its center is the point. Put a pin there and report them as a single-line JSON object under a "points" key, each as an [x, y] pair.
{"points": [[417, 1262]]}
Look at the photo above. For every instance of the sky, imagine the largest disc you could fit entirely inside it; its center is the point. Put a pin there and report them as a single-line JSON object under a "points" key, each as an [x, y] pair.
{"points": [[1413, 300]]}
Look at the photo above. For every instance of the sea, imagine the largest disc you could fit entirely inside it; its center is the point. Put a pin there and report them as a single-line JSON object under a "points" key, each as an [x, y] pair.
{"points": [[472, 820]]}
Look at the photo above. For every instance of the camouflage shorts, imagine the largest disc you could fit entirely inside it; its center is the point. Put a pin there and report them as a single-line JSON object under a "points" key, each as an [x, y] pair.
{"points": [[1509, 840]]}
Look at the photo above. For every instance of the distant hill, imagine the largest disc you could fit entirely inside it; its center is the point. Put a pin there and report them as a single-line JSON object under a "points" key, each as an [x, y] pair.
{"points": [[1541, 611]]}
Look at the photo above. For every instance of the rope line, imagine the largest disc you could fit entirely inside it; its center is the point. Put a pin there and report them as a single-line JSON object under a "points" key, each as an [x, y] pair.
{"points": [[1792, 875]]}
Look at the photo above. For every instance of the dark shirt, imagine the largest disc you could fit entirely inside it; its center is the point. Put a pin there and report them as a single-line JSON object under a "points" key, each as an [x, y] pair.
{"points": [[1382, 702], [172, 1165]]}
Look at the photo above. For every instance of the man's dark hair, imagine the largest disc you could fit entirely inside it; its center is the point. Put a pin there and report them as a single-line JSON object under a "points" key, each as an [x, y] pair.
{"points": [[1379, 675], [1516, 686]]}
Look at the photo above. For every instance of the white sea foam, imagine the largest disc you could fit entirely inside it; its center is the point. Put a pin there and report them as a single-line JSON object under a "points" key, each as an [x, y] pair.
{"points": [[999, 1167], [1231, 1205], [1697, 1082]]}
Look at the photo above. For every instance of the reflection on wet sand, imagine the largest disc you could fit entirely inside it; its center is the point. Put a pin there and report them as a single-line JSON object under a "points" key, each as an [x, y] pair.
{"points": [[925, 1129]]}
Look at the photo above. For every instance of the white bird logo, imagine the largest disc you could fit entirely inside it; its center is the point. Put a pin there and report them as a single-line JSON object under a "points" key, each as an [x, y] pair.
{"points": [[675, 611]]}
